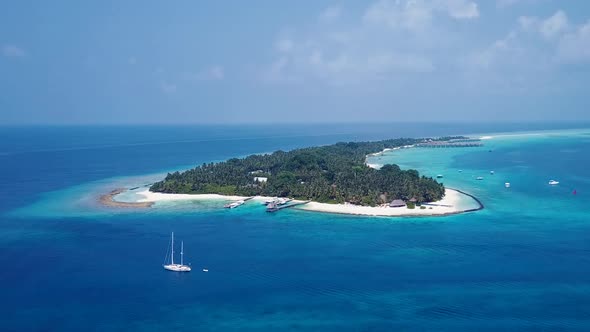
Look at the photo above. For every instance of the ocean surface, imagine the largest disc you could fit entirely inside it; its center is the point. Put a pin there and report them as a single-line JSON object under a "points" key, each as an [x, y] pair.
{"points": [[68, 264]]}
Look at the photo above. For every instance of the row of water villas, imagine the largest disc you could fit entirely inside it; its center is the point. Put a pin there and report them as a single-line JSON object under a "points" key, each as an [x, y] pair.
{"points": [[460, 143]]}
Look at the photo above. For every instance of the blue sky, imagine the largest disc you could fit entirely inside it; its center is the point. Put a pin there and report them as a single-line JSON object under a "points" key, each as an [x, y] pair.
{"points": [[103, 62]]}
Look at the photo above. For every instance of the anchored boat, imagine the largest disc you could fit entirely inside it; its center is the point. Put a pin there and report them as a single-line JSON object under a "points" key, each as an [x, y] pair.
{"points": [[176, 267], [277, 201], [234, 204]]}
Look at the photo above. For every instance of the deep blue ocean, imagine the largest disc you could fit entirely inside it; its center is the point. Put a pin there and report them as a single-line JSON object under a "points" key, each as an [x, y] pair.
{"points": [[67, 264]]}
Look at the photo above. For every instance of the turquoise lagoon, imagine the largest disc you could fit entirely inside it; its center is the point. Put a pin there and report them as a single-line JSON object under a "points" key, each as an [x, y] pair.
{"points": [[521, 264]]}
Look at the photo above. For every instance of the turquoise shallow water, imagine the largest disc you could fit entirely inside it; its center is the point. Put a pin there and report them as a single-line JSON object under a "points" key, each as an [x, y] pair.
{"points": [[522, 264], [528, 161]]}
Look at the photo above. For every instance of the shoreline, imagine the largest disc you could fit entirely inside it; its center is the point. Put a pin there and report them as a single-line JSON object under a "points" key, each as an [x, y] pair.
{"points": [[449, 205], [382, 152], [153, 197], [109, 200], [454, 202]]}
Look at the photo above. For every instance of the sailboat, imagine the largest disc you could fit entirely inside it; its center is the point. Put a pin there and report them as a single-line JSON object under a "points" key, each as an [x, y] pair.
{"points": [[176, 267]]}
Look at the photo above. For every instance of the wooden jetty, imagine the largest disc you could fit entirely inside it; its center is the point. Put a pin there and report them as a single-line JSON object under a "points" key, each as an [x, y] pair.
{"points": [[276, 208]]}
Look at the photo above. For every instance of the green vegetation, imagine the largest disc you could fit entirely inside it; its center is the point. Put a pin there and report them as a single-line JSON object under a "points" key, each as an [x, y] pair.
{"points": [[411, 205], [332, 174]]}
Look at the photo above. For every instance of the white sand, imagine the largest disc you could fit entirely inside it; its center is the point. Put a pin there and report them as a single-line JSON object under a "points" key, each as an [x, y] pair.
{"points": [[454, 202], [377, 154], [150, 196], [376, 166], [161, 197]]}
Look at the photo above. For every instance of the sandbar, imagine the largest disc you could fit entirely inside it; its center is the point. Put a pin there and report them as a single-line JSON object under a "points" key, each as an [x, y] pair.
{"points": [[108, 200]]}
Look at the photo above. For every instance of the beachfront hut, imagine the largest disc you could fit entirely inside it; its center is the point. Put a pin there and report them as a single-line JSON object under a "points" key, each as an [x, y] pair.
{"points": [[397, 203]]}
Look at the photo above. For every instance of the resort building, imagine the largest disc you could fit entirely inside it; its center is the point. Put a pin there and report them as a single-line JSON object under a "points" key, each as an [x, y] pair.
{"points": [[397, 203]]}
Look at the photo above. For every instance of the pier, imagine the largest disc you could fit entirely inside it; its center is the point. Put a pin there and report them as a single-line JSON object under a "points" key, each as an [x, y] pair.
{"points": [[280, 207], [237, 203], [480, 207]]}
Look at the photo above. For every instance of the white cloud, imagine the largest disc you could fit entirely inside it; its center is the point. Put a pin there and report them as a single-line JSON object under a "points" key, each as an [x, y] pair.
{"points": [[388, 63], [460, 9], [575, 46], [13, 51], [316, 58], [509, 3], [284, 45], [500, 52], [167, 87], [330, 14], [214, 73], [537, 43], [505, 3], [410, 15], [554, 25], [211, 73], [377, 46], [417, 14], [276, 70], [550, 28], [528, 23]]}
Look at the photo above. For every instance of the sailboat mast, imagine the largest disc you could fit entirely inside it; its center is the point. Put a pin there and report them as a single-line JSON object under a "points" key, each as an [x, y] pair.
{"points": [[172, 256], [181, 252]]}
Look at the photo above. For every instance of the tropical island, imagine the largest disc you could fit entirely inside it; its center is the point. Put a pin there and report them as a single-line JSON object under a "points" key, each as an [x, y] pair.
{"points": [[335, 178], [335, 174]]}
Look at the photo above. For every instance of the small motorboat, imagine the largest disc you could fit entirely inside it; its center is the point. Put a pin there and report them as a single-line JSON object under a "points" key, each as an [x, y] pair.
{"points": [[553, 182], [272, 207], [440, 176], [270, 200], [492, 172], [479, 178], [205, 270], [283, 201], [234, 205], [507, 184]]}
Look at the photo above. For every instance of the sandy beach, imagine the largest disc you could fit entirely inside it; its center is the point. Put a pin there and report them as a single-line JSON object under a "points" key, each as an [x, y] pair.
{"points": [[109, 200], [454, 202], [152, 197], [380, 153]]}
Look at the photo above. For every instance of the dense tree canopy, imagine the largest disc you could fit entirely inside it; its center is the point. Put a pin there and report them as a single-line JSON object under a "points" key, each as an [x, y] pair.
{"points": [[335, 174]]}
